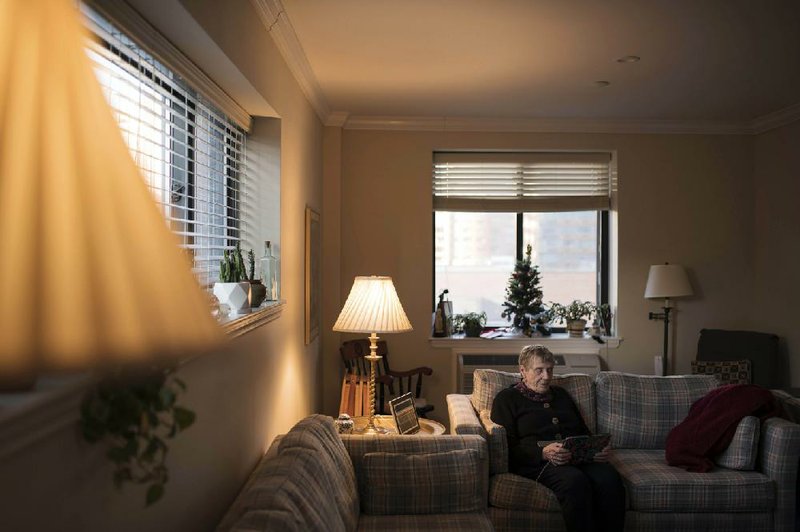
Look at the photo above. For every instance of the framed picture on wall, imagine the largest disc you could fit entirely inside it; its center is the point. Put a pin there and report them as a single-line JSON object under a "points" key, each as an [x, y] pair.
{"points": [[313, 256]]}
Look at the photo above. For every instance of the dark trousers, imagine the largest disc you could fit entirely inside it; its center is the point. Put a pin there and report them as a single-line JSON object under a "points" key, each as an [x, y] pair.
{"points": [[592, 496]]}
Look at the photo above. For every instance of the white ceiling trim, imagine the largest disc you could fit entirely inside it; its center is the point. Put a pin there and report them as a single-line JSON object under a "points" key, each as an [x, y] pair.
{"points": [[274, 18], [548, 125]]}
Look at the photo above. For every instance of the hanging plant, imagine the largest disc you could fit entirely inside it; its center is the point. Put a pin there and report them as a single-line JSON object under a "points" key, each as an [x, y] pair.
{"points": [[135, 412]]}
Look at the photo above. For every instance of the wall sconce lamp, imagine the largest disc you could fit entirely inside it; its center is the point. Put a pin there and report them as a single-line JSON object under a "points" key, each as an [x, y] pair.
{"points": [[372, 307], [666, 281]]}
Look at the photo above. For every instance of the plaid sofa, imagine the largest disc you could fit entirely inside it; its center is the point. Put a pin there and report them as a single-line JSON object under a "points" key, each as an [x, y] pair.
{"points": [[314, 479], [639, 411]]}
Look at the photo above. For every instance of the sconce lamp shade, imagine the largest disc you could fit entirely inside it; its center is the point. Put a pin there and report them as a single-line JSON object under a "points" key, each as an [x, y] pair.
{"points": [[372, 307], [89, 271], [667, 281]]}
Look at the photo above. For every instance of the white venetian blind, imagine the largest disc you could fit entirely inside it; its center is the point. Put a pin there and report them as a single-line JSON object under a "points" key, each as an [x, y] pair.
{"points": [[520, 182], [189, 152]]}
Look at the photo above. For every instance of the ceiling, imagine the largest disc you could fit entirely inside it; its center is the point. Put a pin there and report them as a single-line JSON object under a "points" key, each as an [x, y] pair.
{"points": [[723, 61]]}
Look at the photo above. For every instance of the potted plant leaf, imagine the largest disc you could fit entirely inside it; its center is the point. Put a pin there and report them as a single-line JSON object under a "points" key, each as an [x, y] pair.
{"points": [[258, 292], [573, 315], [233, 288], [471, 323]]}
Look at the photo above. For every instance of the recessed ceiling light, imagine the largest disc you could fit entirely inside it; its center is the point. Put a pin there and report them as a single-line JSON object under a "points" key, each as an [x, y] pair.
{"points": [[601, 83], [629, 59]]}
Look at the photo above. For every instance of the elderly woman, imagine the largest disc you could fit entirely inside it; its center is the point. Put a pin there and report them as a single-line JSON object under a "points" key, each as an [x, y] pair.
{"points": [[591, 494]]}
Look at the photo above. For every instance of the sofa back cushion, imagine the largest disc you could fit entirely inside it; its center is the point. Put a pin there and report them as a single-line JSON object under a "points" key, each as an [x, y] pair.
{"points": [[308, 485], [428, 483], [640, 410], [742, 452], [487, 383]]}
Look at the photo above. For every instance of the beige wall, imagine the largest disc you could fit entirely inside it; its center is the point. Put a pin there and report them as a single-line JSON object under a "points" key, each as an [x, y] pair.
{"points": [[685, 199], [777, 245], [244, 395]]}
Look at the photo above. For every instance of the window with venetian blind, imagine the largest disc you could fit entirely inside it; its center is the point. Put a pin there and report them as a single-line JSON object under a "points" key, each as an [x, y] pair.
{"points": [[489, 205], [191, 154]]}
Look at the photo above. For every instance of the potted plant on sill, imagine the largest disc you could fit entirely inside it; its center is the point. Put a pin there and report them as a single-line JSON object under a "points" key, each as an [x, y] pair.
{"points": [[471, 323], [574, 315], [523, 304], [258, 291], [233, 288]]}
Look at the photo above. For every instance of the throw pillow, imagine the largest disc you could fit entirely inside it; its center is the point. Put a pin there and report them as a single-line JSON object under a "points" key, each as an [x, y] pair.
{"points": [[434, 483], [726, 371], [742, 451]]}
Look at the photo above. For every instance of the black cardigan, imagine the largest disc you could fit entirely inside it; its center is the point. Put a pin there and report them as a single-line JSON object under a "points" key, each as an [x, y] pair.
{"points": [[527, 422]]}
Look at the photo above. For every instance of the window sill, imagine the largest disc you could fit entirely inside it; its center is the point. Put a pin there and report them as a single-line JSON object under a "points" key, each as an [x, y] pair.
{"points": [[54, 402], [558, 341]]}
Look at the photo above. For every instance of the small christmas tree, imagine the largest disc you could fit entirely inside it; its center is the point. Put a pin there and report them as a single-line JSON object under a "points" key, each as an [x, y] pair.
{"points": [[523, 303]]}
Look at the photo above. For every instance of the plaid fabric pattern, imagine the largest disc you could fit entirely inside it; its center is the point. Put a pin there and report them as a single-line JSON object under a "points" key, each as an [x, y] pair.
{"points": [[433, 483], [498, 444], [487, 383], [777, 458], [476, 521], [653, 486], [309, 482], [463, 419], [515, 492], [672, 522], [742, 451], [726, 371], [525, 521], [639, 411]]}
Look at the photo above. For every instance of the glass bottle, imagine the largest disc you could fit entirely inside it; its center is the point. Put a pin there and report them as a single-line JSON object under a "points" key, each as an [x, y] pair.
{"points": [[270, 268]]}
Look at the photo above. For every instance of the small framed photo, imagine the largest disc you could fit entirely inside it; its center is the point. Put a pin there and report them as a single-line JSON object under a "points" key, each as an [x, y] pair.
{"points": [[405, 414]]}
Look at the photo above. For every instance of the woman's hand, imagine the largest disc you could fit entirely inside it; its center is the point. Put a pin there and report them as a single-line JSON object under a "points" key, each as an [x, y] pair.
{"points": [[556, 454], [602, 456]]}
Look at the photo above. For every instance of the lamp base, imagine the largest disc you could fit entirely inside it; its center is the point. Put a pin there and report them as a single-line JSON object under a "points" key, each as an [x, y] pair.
{"points": [[371, 430]]}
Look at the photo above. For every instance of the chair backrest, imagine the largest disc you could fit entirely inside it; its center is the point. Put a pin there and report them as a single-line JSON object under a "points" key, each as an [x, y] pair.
{"points": [[761, 349], [354, 351]]}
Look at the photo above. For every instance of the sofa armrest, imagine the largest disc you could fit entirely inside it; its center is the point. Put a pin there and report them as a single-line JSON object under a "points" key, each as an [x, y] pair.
{"points": [[498, 444], [778, 458], [463, 418], [357, 446]]}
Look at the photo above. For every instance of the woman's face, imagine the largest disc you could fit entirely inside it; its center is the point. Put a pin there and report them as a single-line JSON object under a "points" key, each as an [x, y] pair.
{"points": [[537, 375]]}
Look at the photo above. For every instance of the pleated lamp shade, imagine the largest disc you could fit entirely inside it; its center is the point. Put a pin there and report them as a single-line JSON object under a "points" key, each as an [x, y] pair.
{"points": [[667, 281], [372, 306], [89, 271]]}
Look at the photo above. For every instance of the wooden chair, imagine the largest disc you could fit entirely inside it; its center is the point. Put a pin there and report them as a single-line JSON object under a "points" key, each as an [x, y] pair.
{"points": [[388, 383]]}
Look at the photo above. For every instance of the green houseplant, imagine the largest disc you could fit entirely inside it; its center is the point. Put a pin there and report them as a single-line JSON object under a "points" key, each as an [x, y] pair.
{"points": [[574, 315], [233, 288], [471, 323], [258, 292], [136, 412]]}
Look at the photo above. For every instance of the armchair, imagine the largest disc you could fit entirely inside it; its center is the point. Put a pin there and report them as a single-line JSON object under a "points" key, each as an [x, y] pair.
{"points": [[390, 383]]}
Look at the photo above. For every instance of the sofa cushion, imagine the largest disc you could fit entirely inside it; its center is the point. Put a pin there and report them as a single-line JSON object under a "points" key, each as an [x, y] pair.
{"points": [[726, 371], [653, 486], [487, 383], [412, 523], [639, 411], [431, 483], [515, 492], [742, 452]]}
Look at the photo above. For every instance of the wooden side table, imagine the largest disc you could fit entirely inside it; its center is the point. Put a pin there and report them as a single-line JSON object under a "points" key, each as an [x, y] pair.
{"points": [[428, 427]]}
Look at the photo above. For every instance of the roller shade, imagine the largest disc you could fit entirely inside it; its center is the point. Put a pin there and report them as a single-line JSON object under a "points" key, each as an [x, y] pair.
{"points": [[521, 182]]}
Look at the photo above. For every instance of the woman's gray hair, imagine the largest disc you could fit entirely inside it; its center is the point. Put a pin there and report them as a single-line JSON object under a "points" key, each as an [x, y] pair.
{"points": [[539, 351]]}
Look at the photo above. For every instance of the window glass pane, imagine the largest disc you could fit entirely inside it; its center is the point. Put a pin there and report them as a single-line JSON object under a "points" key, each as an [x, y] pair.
{"points": [[565, 249], [474, 256]]}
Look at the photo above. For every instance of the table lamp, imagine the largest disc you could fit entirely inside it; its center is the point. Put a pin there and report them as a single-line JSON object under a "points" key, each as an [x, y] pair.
{"points": [[665, 281], [90, 274], [372, 307]]}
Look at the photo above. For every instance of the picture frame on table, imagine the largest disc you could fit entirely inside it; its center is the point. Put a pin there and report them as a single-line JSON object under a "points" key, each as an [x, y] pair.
{"points": [[405, 414]]}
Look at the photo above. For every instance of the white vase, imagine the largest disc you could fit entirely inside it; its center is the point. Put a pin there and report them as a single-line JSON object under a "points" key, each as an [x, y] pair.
{"points": [[235, 295]]}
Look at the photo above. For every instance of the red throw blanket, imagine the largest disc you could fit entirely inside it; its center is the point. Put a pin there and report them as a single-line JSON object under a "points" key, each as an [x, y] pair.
{"points": [[711, 424]]}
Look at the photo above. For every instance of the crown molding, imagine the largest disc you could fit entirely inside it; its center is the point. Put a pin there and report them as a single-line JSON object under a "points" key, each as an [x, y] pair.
{"points": [[547, 125], [779, 118], [337, 118], [274, 18]]}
